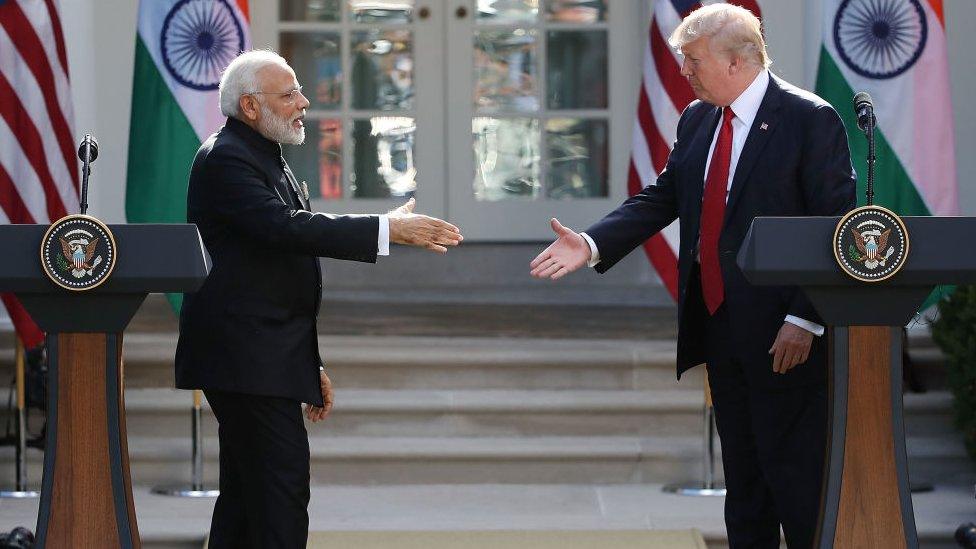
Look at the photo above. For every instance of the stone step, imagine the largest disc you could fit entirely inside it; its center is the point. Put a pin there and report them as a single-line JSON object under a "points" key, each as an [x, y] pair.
{"points": [[463, 460], [447, 413], [456, 363]]}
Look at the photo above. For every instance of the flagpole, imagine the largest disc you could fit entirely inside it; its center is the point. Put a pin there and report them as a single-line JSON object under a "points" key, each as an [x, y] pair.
{"points": [[196, 488], [20, 490], [708, 487]]}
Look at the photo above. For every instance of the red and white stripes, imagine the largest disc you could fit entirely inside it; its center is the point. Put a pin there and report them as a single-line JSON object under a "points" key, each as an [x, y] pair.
{"points": [[38, 166]]}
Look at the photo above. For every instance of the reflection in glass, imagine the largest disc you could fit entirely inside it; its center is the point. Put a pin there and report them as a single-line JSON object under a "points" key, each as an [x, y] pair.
{"points": [[381, 11], [310, 10], [319, 160], [506, 155], [576, 11], [318, 65], [576, 74], [507, 11], [382, 69], [504, 70], [578, 158], [383, 157]]}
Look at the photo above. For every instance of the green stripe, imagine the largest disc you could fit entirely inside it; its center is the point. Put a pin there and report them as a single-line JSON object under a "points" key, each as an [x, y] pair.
{"points": [[162, 145], [893, 188]]}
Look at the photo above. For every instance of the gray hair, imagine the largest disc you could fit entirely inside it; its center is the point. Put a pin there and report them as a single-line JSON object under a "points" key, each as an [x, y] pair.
{"points": [[240, 78], [733, 29]]}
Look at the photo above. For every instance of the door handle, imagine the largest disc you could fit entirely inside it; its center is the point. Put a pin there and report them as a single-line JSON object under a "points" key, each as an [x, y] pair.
{"points": [[461, 12], [423, 12]]}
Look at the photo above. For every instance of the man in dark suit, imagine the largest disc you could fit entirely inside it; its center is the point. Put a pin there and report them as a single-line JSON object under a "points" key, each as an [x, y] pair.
{"points": [[248, 337], [753, 145]]}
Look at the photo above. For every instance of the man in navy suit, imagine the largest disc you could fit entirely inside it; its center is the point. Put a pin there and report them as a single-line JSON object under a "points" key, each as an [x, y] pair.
{"points": [[752, 145]]}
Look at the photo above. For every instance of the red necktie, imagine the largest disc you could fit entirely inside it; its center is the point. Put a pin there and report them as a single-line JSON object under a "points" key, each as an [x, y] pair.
{"points": [[713, 213]]}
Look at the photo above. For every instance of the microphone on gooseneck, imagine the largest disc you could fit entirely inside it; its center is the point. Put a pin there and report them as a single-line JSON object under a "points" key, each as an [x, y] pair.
{"points": [[864, 109], [87, 152]]}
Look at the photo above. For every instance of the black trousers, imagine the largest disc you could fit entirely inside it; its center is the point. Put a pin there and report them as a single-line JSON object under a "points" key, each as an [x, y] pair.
{"points": [[264, 472], [773, 449]]}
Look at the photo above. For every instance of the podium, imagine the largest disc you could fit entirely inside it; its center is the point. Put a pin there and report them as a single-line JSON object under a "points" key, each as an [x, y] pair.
{"points": [[86, 493], [866, 500]]}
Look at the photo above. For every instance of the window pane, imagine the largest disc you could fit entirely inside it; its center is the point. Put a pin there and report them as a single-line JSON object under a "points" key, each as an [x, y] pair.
{"points": [[576, 11], [578, 158], [381, 11], [576, 75], [310, 10], [383, 157], [507, 11], [319, 160], [318, 65], [382, 69], [504, 70], [506, 154]]}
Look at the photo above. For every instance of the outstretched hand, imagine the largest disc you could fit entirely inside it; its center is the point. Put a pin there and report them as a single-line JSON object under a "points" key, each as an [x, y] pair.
{"points": [[568, 253], [422, 231]]}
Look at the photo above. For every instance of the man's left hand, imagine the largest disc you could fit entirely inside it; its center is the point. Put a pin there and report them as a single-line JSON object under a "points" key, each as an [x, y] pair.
{"points": [[315, 413], [792, 347]]}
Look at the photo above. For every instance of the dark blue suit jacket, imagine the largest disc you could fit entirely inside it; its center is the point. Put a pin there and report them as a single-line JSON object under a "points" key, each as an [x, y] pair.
{"points": [[800, 165], [251, 326]]}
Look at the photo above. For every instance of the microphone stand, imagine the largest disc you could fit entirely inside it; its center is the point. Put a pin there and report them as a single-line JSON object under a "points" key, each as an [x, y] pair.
{"points": [[85, 172], [872, 158]]}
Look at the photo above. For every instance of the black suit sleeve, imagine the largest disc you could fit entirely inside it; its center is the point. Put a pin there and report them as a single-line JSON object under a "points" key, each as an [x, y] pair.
{"points": [[827, 181], [639, 217], [241, 198]]}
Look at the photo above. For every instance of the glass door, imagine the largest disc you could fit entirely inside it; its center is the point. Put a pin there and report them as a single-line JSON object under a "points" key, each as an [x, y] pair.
{"points": [[540, 107], [373, 72]]}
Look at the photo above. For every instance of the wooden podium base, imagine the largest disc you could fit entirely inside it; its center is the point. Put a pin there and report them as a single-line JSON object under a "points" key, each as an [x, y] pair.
{"points": [[867, 502], [86, 498]]}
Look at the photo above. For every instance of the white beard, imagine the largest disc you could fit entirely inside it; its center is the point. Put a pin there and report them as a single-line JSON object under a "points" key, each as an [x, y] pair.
{"points": [[279, 129]]}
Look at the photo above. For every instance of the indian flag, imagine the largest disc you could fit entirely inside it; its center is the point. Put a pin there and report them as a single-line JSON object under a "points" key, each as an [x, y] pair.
{"points": [[182, 47], [896, 51]]}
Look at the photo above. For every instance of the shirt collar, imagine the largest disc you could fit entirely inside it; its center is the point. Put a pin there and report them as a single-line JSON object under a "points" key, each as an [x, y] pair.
{"points": [[746, 106], [253, 137]]}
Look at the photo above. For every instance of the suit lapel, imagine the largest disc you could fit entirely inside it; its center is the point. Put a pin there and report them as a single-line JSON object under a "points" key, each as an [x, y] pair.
{"points": [[763, 127], [699, 153]]}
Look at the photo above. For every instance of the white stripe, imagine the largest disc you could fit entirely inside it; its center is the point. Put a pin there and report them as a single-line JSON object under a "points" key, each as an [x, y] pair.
{"points": [[665, 114], [672, 233], [201, 108], [14, 160], [36, 13], [641, 157], [668, 19], [28, 92], [4, 220]]}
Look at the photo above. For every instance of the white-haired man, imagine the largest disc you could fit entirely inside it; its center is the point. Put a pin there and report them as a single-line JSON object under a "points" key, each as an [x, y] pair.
{"points": [[248, 337], [752, 145]]}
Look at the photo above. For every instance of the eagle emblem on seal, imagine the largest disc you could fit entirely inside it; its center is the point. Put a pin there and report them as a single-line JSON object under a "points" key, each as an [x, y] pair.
{"points": [[80, 254], [873, 247]]}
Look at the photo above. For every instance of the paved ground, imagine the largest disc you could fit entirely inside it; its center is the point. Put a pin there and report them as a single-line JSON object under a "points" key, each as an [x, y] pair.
{"points": [[497, 507]]}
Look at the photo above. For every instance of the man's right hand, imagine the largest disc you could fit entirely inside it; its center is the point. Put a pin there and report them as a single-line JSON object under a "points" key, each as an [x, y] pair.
{"points": [[568, 253], [422, 231]]}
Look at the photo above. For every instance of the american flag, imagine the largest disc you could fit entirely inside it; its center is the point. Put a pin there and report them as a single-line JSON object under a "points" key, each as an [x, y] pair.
{"points": [[38, 166], [664, 93]]}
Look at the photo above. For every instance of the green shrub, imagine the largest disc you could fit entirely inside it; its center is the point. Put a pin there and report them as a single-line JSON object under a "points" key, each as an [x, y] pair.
{"points": [[955, 333]]}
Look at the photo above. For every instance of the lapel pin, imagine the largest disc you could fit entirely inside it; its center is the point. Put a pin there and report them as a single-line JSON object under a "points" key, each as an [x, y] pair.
{"points": [[764, 126]]}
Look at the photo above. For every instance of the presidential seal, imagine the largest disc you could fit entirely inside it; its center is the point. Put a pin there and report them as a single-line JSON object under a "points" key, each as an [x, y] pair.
{"points": [[871, 243], [78, 252]]}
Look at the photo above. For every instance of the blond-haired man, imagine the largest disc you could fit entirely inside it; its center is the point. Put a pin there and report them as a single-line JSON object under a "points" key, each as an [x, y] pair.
{"points": [[753, 145]]}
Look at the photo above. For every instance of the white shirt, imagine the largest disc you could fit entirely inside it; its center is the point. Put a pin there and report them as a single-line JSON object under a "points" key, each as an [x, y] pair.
{"points": [[383, 239], [745, 107]]}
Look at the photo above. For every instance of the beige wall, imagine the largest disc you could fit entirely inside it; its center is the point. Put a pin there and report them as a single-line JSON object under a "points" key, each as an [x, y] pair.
{"points": [[101, 35]]}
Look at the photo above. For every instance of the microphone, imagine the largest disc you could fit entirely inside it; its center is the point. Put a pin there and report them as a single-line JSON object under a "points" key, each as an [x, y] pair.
{"points": [[864, 109], [87, 152], [92, 147]]}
